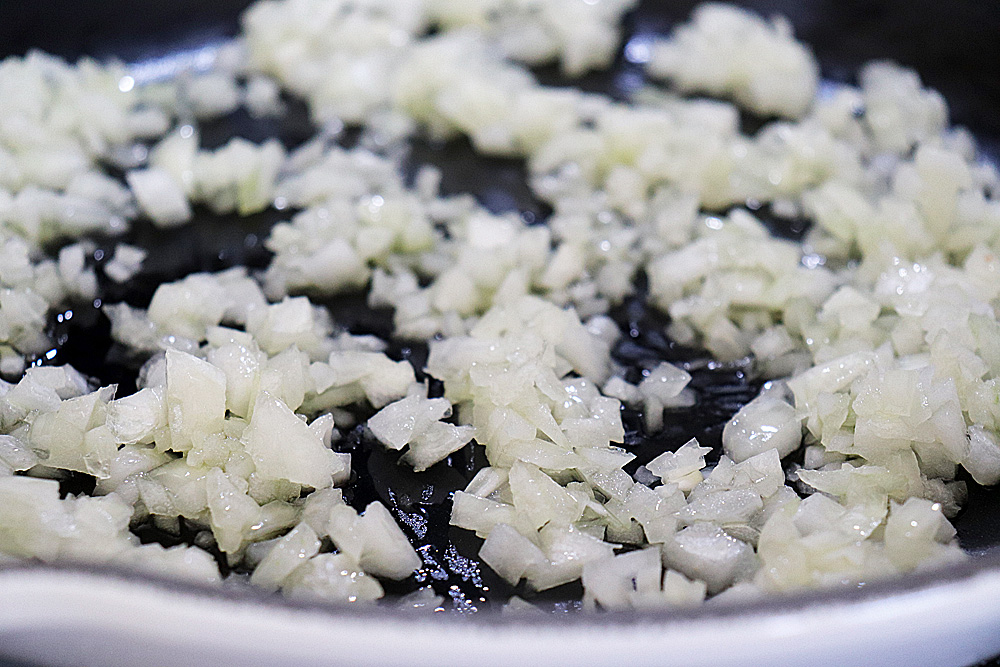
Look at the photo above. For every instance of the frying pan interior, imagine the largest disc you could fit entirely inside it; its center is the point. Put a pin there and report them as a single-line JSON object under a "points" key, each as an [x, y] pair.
{"points": [[952, 45]]}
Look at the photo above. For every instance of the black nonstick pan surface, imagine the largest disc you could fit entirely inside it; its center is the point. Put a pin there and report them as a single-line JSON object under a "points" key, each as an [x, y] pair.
{"points": [[954, 46]]}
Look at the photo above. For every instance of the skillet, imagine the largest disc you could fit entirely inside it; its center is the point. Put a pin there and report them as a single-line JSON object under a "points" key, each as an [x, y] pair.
{"points": [[953, 47]]}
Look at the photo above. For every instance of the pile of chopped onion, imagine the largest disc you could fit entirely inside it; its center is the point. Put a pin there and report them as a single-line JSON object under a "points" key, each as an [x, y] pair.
{"points": [[879, 332]]}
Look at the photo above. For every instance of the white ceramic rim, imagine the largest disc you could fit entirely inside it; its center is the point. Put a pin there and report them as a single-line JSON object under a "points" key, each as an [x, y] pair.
{"points": [[72, 616]]}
